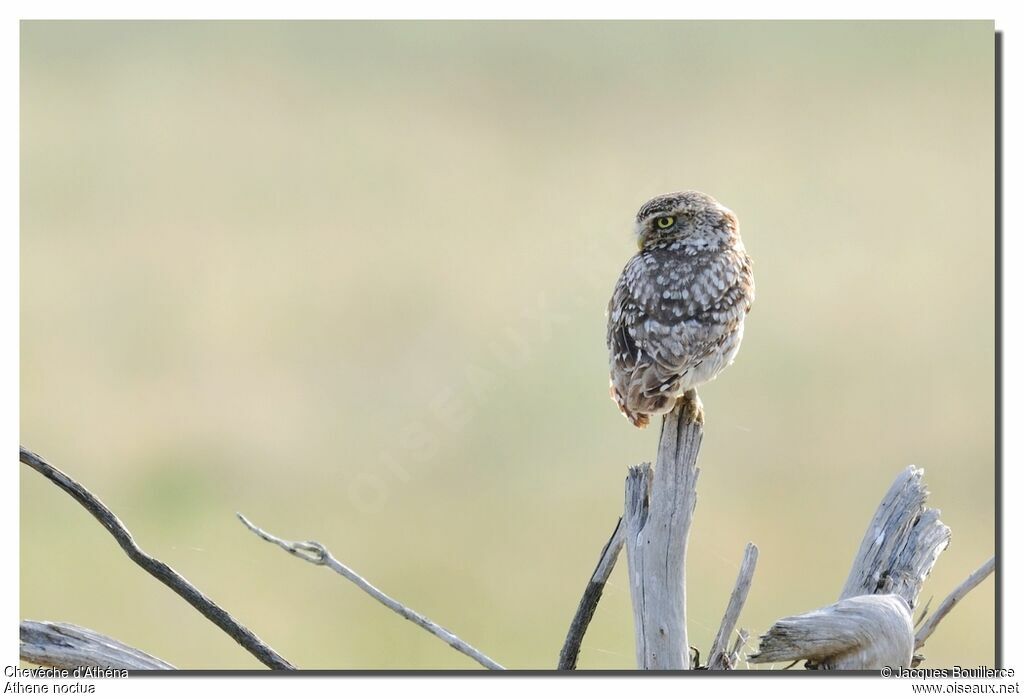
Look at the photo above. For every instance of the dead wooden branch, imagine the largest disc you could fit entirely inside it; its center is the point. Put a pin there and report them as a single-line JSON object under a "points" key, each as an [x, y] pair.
{"points": [[901, 544], [857, 633], [158, 569], [67, 646], [658, 512], [591, 596], [317, 554], [720, 658], [871, 626], [972, 581]]}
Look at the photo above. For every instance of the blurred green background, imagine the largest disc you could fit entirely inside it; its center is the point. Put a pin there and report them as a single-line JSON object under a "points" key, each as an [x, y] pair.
{"points": [[349, 279]]}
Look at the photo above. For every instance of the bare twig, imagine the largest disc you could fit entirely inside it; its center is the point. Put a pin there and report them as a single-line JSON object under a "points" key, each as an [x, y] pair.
{"points": [[719, 657], [591, 596], [658, 512], [924, 612], [734, 654], [158, 569], [901, 544], [67, 646], [317, 554], [972, 581]]}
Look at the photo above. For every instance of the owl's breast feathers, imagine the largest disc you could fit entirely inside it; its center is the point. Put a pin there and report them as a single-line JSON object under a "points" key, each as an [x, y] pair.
{"points": [[674, 322]]}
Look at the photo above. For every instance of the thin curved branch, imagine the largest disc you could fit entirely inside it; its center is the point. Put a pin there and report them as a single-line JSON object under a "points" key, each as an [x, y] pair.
{"points": [[591, 596], [972, 581], [157, 568], [317, 554]]}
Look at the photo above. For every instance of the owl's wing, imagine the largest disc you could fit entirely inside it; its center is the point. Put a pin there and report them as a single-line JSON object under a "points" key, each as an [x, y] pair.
{"points": [[648, 324], [668, 352], [621, 340], [666, 318], [648, 357], [686, 311]]}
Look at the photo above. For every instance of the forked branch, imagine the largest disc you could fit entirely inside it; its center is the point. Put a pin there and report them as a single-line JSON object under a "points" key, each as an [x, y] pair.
{"points": [[317, 554]]}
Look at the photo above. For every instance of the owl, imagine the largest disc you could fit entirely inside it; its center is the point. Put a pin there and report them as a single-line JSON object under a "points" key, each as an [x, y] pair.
{"points": [[675, 319]]}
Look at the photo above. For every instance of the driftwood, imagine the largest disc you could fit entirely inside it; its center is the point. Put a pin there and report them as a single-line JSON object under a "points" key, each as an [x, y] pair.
{"points": [[658, 512], [901, 544], [857, 633], [69, 647], [871, 625]]}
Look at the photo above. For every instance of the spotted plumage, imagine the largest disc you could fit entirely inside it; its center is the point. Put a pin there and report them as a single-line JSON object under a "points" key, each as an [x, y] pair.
{"points": [[675, 319]]}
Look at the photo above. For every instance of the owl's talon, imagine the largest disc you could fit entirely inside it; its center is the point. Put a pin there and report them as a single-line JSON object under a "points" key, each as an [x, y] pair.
{"points": [[691, 408]]}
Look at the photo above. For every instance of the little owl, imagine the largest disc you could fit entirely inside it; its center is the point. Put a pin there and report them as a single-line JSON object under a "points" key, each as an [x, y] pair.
{"points": [[675, 320]]}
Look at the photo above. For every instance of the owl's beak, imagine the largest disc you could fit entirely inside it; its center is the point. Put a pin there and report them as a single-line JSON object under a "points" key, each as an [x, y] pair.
{"points": [[640, 238]]}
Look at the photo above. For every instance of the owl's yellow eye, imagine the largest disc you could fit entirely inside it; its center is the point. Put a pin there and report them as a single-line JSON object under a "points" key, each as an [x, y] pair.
{"points": [[665, 221]]}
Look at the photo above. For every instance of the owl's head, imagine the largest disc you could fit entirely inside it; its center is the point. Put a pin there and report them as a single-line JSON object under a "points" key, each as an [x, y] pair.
{"points": [[698, 222]]}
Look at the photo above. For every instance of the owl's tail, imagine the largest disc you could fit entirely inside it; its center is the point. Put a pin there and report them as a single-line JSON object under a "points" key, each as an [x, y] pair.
{"points": [[639, 420]]}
